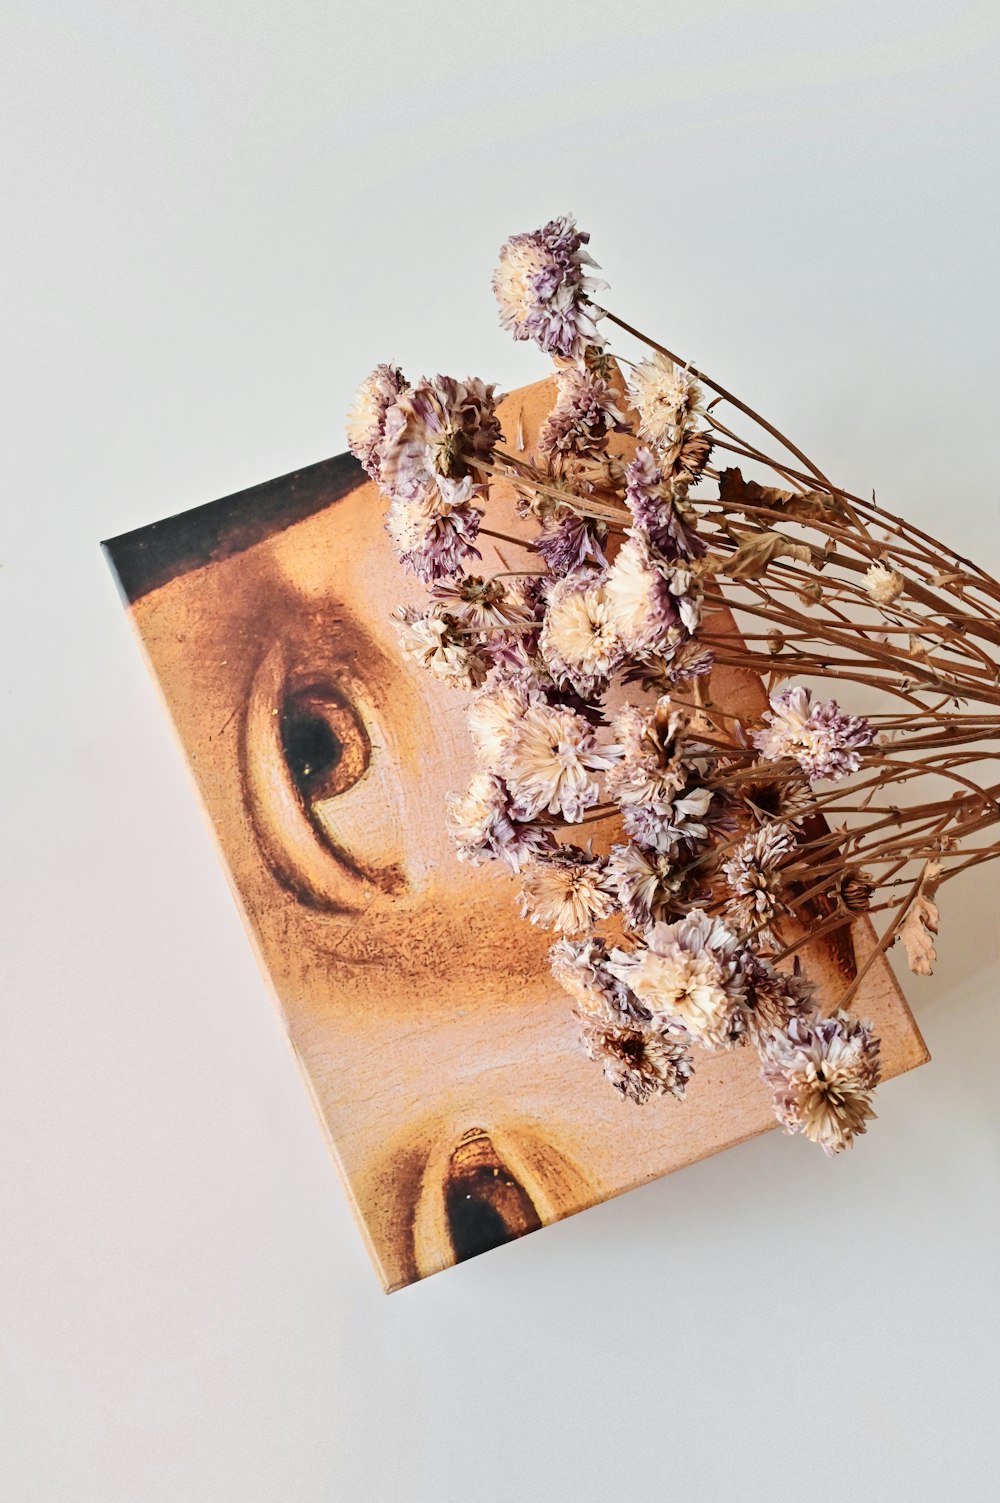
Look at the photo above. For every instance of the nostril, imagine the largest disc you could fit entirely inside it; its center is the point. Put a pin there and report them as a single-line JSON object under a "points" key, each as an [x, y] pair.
{"points": [[484, 1203]]}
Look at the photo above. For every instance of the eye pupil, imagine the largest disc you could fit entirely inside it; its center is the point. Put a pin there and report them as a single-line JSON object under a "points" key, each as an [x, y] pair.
{"points": [[312, 747]]}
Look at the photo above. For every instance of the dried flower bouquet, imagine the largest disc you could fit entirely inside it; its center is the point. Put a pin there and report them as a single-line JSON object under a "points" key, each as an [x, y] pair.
{"points": [[682, 856]]}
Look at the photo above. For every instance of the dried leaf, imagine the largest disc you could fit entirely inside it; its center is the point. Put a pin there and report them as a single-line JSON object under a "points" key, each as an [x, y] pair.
{"points": [[758, 550], [737, 493], [918, 929], [520, 432]]}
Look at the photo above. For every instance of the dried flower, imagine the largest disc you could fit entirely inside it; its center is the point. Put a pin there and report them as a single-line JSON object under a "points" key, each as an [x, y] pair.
{"points": [[496, 711], [647, 882], [569, 543], [484, 827], [639, 1062], [652, 605], [774, 998], [822, 1073], [579, 641], [550, 761], [689, 973], [428, 637], [483, 604], [566, 891], [581, 968], [543, 292], [754, 879], [439, 429], [856, 888], [884, 585], [366, 420], [657, 516], [820, 738], [585, 412], [434, 536], [666, 398]]}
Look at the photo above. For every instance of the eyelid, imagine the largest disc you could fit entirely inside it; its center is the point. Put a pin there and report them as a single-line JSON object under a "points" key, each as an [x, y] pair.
{"points": [[316, 869]]}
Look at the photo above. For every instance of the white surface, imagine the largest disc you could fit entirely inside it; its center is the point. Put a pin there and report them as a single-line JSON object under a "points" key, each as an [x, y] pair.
{"points": [[216, 217]]}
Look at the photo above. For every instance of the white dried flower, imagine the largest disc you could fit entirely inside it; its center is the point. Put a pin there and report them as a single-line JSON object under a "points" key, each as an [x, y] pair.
{"points": [[666, 398], [496, 711], [550, 761], [579, 642], [884, 585], [822, 1073], [690, 974], [566, 892], [428, 638], [366, 419]]}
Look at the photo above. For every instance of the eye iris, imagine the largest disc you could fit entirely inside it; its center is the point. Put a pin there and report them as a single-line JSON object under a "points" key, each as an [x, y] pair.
{"points": [[312, 747], [326, 747]]}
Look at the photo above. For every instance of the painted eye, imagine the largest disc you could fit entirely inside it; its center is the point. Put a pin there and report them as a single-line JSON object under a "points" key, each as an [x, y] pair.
{"points": [[328, 833], [326, 746]]}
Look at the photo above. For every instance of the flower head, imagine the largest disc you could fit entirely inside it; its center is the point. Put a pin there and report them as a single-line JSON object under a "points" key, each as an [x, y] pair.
{"points": [[640, 1062], [543, 292], [550, 761], [884, 585], [666, 397], [822, 1073], [579, 641], [754, 879], [585, 412], [820, 738], [669, 530], [429, 638], [647, 882], [484, 827], [689, 974], [497, 710], [581, 968], [774, 998], [439, 429], [366, 419], [565, 891], [434, 535], [652, 605], [568, 542]]}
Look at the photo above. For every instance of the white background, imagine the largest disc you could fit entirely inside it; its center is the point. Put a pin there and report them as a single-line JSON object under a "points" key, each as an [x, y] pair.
{"points": [[215, 218]]}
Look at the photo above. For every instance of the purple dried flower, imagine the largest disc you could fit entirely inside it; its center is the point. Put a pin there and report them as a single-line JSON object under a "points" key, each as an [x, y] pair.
{"points": [[753, 876], [484, 826], [569, 542], [774, 998], [542, 290], [657, 516], [581, 968], [438, 430], [820, 738], [435, 538], [647, 882], [585, 412]]}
